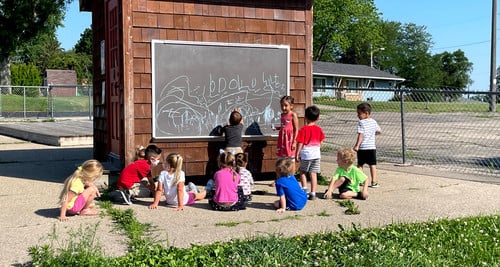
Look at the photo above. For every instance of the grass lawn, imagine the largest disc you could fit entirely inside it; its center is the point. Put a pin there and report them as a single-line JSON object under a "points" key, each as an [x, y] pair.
{"points": [[15, 103], [394, 106], [473, 241]]}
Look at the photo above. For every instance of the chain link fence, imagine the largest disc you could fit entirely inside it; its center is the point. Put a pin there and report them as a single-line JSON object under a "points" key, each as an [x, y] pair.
{"points": [[441, 129], [46, 102]]}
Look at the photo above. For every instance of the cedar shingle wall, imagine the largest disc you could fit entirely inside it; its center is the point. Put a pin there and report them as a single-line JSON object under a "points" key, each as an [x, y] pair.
{"points": [[258, 22], [255, 22]]}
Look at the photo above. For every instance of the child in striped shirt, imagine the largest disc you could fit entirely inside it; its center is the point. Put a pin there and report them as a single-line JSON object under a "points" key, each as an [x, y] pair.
{"points": [[365, 147]]}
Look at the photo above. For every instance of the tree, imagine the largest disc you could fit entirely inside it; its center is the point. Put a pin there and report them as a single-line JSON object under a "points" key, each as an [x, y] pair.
{"points": [[84, 44], [455, 68], [22, 20], [344, 29]]}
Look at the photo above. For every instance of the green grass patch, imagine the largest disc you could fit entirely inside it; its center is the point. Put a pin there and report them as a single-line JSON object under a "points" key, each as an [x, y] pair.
{"points": [[473, 241], [410, 106], [16, 103]]}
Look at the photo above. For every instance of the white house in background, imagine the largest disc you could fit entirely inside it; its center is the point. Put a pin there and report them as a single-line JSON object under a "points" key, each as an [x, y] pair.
{"points": [[343, 80]]}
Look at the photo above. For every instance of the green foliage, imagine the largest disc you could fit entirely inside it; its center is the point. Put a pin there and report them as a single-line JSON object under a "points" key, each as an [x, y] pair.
{"points": [[352, 208], [24, 20], [84, 44], [344, 28], [15, 102], [448, 242], [25, 75]]}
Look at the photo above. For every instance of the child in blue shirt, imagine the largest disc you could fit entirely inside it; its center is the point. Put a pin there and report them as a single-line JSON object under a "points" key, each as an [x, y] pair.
{"points": [[291, 196]]}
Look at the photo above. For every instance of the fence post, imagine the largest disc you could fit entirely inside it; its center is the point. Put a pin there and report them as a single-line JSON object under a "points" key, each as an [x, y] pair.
{"points": [[403, 137], [1, 92], [90, 102], [24, 102]]}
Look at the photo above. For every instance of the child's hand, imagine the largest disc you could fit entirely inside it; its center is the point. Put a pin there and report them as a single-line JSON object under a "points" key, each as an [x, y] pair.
{"points": [[280, 210], [179, 208], [63, 218], [294, 145], [327, 195], [153, 206]]}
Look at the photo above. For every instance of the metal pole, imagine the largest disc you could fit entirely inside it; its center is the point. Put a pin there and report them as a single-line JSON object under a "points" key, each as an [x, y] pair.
{"points": [[24, 102], [90, 103], [403, 143], [493, 99]]}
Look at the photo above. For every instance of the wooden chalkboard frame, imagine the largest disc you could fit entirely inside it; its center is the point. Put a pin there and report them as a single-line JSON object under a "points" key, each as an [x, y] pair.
{"points": [[196, 85]]}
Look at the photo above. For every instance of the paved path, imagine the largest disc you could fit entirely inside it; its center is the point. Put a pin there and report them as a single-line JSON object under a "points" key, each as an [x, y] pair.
{"points": [[31, 176]]}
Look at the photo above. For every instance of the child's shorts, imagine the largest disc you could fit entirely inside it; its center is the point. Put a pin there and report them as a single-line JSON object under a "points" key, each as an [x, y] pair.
{"points": [[78, 205], [190, 199], [311, 165], [368, 156], [343, 188], [140, 190]]}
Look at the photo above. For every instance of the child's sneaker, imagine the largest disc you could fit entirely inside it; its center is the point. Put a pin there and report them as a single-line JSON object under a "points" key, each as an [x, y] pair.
{"points": [[126, 197], [192, 187], [312, 196], [374, 185]]}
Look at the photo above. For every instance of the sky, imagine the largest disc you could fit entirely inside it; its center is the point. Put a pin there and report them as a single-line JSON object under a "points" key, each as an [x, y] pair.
{"points": [[453, 25], [75, 22]]}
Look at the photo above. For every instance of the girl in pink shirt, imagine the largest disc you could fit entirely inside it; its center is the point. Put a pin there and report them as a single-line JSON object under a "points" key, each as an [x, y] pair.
{"points": [[227, 196]]}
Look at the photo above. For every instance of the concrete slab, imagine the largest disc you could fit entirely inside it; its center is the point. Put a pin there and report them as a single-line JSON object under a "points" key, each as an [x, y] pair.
{"points": [[58, 133]]}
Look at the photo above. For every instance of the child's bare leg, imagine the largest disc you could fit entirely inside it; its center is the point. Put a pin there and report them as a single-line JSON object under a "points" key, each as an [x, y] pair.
{"points": [[334, 184], [314, 182], [89, 194], [303, 179], [199, 196], [373, 173], [348, 195]]}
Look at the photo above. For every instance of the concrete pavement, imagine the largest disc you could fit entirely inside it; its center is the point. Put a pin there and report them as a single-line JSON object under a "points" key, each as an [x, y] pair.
{"points": [[31, 177]]}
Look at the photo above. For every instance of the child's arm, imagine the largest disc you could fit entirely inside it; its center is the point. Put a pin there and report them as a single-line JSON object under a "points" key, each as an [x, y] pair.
{"points": [[282, 202], [64, 206], [180, 196], [364, 191], [331, 187], [295, 124], [297, 153], [158, 191], [358, 141]]}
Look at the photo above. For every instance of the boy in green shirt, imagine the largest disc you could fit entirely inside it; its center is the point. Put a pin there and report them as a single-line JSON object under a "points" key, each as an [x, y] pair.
{"points": [[347, 177]]}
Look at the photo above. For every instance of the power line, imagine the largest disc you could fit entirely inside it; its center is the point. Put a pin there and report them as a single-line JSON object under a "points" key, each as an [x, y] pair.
{"points": [[468, 44]]}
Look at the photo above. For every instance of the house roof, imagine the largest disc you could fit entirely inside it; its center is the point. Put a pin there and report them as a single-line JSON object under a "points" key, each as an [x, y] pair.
{"points": [[321, 68]]}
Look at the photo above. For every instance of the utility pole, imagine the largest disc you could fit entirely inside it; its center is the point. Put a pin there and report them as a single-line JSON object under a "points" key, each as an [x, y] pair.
{"points": [[493, 80]]}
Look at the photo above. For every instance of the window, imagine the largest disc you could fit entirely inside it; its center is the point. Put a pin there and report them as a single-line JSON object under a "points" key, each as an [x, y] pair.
{"points": [[352, 86], [319, 85]]}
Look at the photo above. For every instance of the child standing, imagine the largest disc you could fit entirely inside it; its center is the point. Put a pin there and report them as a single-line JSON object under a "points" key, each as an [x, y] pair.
{"points": [[79, 191], [365, 147], [136, 180], [347, 177], [246, 182], [232, 132], [227, 195], [309, 140], [289, 127], [171, 182], [291, 196]]}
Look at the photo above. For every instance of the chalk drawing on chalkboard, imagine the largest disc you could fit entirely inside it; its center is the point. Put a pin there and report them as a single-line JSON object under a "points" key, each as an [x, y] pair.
{"points": [[193, 97]]}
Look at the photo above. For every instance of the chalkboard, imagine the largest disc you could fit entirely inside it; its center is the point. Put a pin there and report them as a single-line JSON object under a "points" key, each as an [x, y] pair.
{"points": [[196, 85]]}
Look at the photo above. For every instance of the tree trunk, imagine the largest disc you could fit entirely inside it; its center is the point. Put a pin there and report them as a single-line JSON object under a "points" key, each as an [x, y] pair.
{"points": [[5, 77]]}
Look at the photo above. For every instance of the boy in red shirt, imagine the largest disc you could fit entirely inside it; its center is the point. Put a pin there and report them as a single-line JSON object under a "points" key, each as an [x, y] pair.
{"points": [[133, 175], [309, 140]]}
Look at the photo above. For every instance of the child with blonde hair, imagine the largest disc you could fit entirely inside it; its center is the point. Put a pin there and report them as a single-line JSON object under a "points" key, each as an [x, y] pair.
{"points": [[171, 183], [291, 196], [348, 177], [79, 191]]}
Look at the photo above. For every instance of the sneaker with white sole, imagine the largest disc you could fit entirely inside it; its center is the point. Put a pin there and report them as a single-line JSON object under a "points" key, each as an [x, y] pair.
{"points": [[192, 187], [374, 185], [126, 197]]}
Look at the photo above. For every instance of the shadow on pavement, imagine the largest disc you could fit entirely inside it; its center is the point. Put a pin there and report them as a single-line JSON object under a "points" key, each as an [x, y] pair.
{"points": [[51, 165]]}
